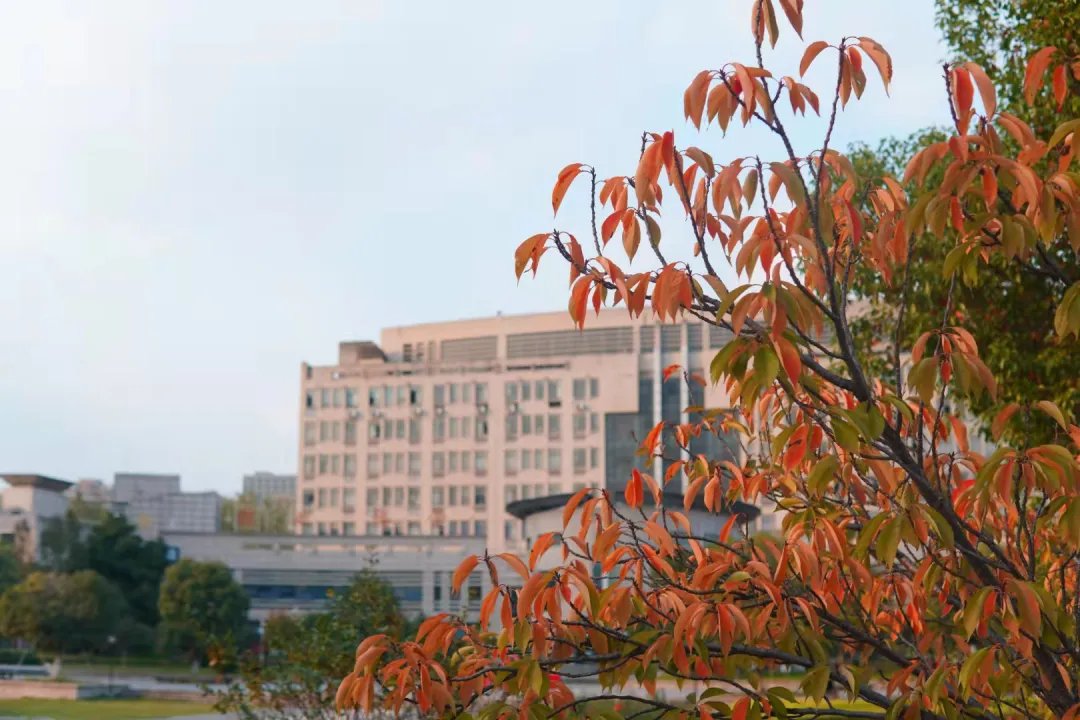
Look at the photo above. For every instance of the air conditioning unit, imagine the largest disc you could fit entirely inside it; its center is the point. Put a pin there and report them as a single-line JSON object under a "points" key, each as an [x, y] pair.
{"points": [[418, 412], [440, 410], [335, 375], [582, 407], [355, 414], [482, 408], [513, 408]]}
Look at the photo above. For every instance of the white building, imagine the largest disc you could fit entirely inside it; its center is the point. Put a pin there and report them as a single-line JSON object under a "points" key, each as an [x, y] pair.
{"points": [[26, 504]]}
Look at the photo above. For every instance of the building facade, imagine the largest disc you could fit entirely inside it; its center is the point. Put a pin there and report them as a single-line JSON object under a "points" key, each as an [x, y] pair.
{"points": [[26, 505], [154, 503], [128, 487], [437, 428], [264, 485]]}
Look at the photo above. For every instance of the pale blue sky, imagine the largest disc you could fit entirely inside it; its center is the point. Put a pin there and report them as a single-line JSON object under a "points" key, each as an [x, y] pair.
{"points": [[197, 196]]}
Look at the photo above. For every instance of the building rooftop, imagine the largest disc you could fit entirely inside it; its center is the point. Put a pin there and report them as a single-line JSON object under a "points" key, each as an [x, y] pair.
{"points": [[42, 482]]}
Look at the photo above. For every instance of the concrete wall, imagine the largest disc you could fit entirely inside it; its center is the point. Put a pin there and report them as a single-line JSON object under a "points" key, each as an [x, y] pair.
{"points": [[52, 690]]}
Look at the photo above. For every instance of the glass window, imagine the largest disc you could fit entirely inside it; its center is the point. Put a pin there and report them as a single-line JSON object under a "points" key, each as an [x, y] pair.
{"points": [[480, 463], [325, 397], [309, 466], [594, 387], [399, 427], [414, 497], [350, 466], [538, 489], [453, 427], [480, 496], [438, 428], [538, 424], [371, 528], [538, 459], [510, 461], [453, 499], [466, 461], [579, 486], [437, 496], [350, 432], [374, 431], [309, 498], [579, 388], [466, 495], [554, 427], [526, 390], [350, 397], [466, 392], [553, 390], [402, 394], [512, 391], [594, 458], [453, 528], [373, 397], [399, 463], [399, 496], [594, 422], [579, 425], [481, 393], [414, 430], [526, 425], [348, 528], [481, 428], [554, 489], [511, 427], [414, 464], [309, 403], [508, 530], [333, 497], [335, 429], [540, 384], [388, 395], [453, 393], [510, 491], [526, 459], [526, 492], [373, 497], [339, 397], [439, 394], [309, 433], [480, 528], [414, 527], [387, 463], [580, 458], [324, 430], [438, 464], [466, 427], [387, 496], [324, 464], [416, 395], [554, 461], [322, 497]]}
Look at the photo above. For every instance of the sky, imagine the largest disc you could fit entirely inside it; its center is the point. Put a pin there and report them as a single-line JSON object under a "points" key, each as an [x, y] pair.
{"points": [[197, 197]]}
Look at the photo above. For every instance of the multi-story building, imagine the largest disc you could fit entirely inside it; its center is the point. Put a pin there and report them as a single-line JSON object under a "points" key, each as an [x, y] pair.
{"points": [[143, 486], [27, 504], [264, 485], [155, 504], [438, 427]]}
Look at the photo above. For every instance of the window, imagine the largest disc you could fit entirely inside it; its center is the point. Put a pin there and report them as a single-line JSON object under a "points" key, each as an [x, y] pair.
{"points": [[322, 497], [510, 493], [538, 489], [579, 425], [324, 397], [339, 397], [511, 427], [387, 463], [335, 464], [554, 427], [480, 464], [439, 395], [579, 486], [335, 431], [322, 529], [526, 459], [373, 397], [453, 461], [453, 427], [309, 433], [402, 393], [481, 393], [553, 393], [466, 459], [511, 392], [414, 430], [308, 529], [510, 462], [480, 528], [309, 401], [453, 528], [579, 460], [466, 392], [526, 390], [481, 428], [388, 429], [453, 501], [414, 527], [554, 461], [414, 497], [373, 497], [374, 432], [466, 495], [309, 498], [371, 529], [324, 464], [373, 465], [453, 393], [309, 466], [594, 387], [399, 429], [538, 424], [526, 492], [538, 459], [399, 496], [594, 458], [540, 384], [399, 463], [480, 496], [348, 528], [350, 397], [437, 497], [579, 389], [466, 427], [414, 464], [388, 395], [350, 466], [324, 431], [387, 496], [438, 464], [416, 396], [594, 422], [348, 499], [438, 428], [333, 497], [508, 530], [526, 425], [554, 489], [350, 432]]}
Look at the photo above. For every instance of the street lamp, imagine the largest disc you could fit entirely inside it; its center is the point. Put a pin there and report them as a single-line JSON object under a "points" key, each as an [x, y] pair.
{"points": [[111, 640]]}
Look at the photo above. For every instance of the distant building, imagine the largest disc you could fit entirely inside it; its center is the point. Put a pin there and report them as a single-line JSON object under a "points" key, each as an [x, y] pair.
{"points": [[28, 502], [140, 486], [90, 490], [262, 485]]}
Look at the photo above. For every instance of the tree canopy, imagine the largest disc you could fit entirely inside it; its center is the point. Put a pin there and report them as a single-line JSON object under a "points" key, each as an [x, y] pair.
{"points": [[913, 574], [202, 608]]}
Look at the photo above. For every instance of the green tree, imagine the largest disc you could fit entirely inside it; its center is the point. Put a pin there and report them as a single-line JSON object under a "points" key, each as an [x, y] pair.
{"points": [[63, 612], [11, 567], [63, 543], [202, 608], [115, 550], [286, 678]]}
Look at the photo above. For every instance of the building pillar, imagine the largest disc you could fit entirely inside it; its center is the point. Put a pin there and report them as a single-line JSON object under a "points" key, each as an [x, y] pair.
{"points": [[658, 395]]}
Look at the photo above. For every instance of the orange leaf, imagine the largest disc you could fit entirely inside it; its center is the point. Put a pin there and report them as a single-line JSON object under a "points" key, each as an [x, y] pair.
{"points": [[1060, 88], [793, 9], [539, 548], [1036, 69], [881, 59], [694, 97], [671, 370], [515, 562], [789, 357], [634, 491], [528, 250], [986, 88], [463, 571], [812, 51], [572, 505], [562, 184], [740, 709], [963, 94]]}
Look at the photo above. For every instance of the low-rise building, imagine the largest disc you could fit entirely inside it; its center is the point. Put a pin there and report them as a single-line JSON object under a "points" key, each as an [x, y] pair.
{"points": [[26, 505]]}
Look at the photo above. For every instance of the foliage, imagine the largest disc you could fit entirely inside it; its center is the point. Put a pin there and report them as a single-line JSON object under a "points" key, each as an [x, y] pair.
{"points": [[289, 674], [203, 610], [62, 544], [269, 515], [11, 567], [912, 574], [115, 550], [56, 612]]}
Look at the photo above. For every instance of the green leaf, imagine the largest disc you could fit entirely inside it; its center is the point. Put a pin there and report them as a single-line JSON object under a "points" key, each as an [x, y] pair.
{"points": [[971, 665], [888, 541], [922, 377], [819, 477], [816, 682], [846, 435], [866, 535]]}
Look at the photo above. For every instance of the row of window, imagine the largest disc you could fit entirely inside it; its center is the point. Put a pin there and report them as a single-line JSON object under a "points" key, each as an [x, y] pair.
{"points": [[454, 528], [387, 396], [443, 427], [450, 462]]}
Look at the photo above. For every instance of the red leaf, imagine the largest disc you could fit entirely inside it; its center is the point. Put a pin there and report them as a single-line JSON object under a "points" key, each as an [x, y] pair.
{"points": [[986, 88], [963, 94], [1060, 88], [1036, 69], [634, 490], [463, 571], [562, 184], [539, 548], [670, 370], [531, 249]]}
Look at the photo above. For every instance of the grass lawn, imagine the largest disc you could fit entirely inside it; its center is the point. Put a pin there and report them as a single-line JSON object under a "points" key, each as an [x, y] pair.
{"points": [[141, 669], [97, 709]]}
